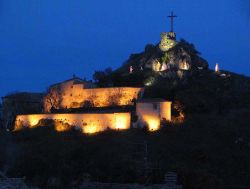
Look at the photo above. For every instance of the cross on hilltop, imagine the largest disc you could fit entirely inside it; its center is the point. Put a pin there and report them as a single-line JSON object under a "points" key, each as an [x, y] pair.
{"points": [[172, 17]]}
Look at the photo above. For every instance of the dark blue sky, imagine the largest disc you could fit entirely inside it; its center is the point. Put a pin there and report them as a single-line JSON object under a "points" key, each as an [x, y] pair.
{"points": [[46, 41]]}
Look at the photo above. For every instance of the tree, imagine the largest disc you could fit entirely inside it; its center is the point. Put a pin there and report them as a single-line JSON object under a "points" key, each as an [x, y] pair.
{"points": [[102, 76], [52, 99], [99, 76], [189, 47], [108, 71]]}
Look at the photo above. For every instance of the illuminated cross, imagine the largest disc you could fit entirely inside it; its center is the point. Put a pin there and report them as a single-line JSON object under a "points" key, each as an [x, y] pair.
{"points": [[172, 17]]}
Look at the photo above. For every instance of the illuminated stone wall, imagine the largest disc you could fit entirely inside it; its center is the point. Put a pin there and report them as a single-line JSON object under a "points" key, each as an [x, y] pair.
{"points": [[100, 97], [88, 123], [151, 113], [70, 95]]}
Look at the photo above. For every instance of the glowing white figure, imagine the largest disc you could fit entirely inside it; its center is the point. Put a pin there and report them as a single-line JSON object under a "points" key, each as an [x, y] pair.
{"points": [[164, 67], [217, 70], [131, 69]]}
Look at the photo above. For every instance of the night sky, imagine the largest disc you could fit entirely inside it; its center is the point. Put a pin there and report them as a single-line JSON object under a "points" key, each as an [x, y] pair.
{"points": [[46, 41]]}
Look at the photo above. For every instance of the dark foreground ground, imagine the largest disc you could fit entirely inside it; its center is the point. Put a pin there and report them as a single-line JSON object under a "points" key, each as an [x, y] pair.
{"points": [[207, 151]]}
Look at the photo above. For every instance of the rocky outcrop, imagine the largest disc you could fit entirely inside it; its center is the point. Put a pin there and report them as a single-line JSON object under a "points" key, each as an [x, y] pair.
{"points": [[177, 63]]}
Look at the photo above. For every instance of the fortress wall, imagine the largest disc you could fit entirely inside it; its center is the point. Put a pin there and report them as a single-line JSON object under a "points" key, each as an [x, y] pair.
{"points": [[73, 95], [100, 97], [88, 123]]}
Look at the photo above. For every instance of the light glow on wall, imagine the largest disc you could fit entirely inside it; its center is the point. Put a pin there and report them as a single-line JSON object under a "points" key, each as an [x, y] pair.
{"points": [[33, 120], [91, 129], [185, 66], [62, 127], [153, 123], [89, 123], [100, 97], [122, 122]]}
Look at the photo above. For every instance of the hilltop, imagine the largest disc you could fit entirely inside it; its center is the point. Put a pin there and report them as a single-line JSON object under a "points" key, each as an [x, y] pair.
{"points": [[182, 76], [209, 148], [182, 56]]}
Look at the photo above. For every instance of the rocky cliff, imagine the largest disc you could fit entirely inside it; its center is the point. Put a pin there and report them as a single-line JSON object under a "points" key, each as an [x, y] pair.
{"points": [[177, 63]]}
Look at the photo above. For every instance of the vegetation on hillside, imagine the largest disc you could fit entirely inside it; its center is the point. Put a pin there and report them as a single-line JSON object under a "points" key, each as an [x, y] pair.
{"points": [[207, 151]]}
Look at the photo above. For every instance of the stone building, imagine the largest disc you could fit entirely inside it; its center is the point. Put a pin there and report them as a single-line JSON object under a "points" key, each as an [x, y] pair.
{"points": [[77, 93], [151, 112], [74, 93]]}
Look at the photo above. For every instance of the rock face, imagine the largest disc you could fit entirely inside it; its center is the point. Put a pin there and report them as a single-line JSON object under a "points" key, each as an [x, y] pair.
{"points": [[182, 57], [175, 62], [167, 41]]}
